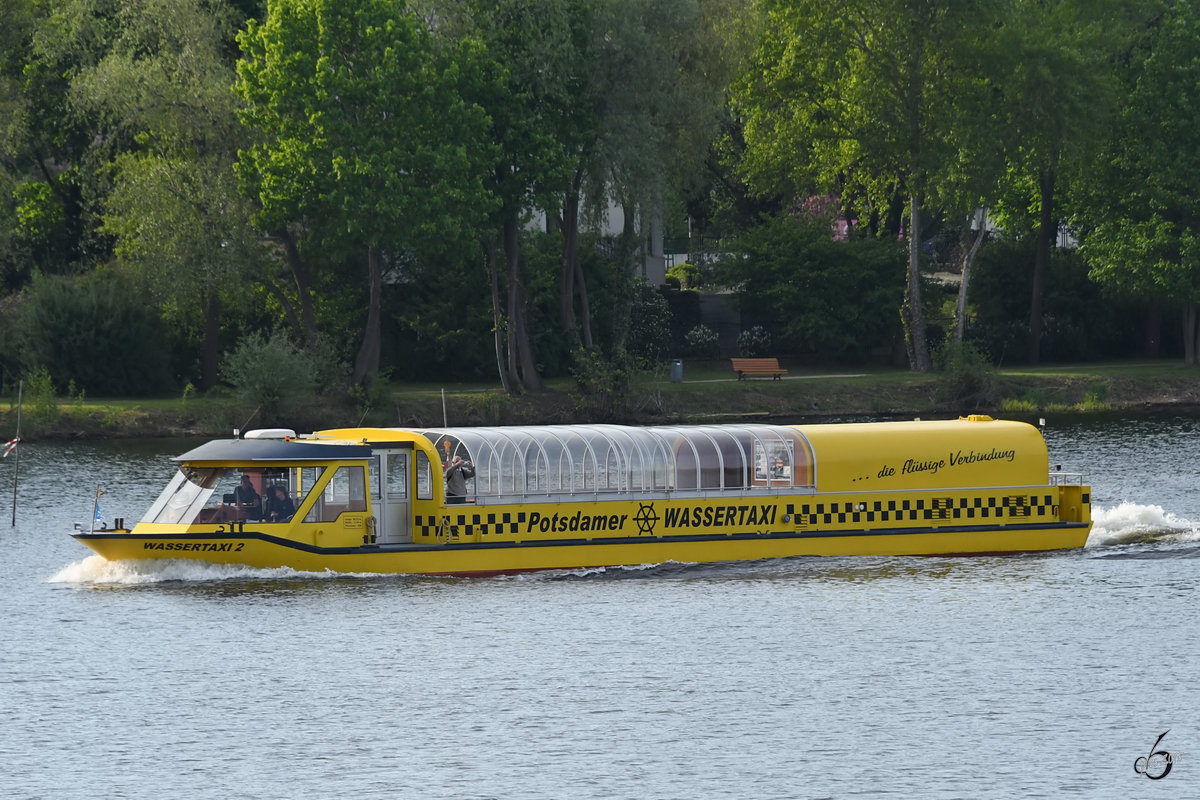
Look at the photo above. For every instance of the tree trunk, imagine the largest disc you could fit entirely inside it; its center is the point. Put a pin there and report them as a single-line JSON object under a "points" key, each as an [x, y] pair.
{"points": [[572, 271], [520, 348], [367, 362], [629, 250], [960, 309], [585, 313], [1045, 240], [570, 234], [299, 270], [499, 324], [1190, 331], [911, 313], [289, 310], [212, 339]]}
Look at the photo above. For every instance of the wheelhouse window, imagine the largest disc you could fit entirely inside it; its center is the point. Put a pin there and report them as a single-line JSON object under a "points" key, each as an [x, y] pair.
{"points": [[202, 494], [346, 491]]}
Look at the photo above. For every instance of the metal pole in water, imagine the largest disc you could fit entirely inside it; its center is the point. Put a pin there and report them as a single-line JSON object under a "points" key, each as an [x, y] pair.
{"points": [[17, 458]]}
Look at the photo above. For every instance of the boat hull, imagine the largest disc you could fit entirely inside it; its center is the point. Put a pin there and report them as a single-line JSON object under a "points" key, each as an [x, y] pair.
{"points": [[372, 500], [474, 559]]}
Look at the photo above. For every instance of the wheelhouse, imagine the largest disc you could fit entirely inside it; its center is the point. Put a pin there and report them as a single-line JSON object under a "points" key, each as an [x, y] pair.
{"points": [[317, 484]]}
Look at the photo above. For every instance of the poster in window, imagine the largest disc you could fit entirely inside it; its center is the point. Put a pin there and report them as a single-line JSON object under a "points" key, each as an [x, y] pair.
{"points": [[773, 463]]}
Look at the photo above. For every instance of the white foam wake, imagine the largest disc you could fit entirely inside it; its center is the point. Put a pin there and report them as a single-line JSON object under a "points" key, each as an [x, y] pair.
{"points": [[96, 569], [1130, 523]]}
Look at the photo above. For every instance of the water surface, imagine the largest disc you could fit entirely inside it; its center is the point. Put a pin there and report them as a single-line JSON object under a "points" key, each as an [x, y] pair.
{"points": [[1032, 676]]}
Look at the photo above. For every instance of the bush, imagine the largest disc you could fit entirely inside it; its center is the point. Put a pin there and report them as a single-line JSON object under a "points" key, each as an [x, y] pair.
{"points": [[602, 385], [649, 326], [93, 331], [685, 276], [967, 379], [702, 342], [754, 343], [43, 402], [271, 375]]}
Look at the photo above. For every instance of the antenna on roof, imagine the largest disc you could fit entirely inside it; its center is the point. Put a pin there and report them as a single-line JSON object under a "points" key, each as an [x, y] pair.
{"points": [[253, 414]]}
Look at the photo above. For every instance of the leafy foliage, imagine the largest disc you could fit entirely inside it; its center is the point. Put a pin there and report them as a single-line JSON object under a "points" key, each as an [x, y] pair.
{"points": [[602, 385], [649, 326], [43, 399], [754, 342], [93, 330], [388, 146], [702, 342], [271, 375], [966, 379], [830, 299], [1081, 321], [366, 138], [1138, 206], [685, 276]]}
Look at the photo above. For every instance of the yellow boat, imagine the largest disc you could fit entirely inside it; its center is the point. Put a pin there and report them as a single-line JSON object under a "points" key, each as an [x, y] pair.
{"points": [[576, 496]]}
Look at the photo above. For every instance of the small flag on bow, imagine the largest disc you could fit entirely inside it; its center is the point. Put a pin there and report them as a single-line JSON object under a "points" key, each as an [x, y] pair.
{"points": [[10, 446]]}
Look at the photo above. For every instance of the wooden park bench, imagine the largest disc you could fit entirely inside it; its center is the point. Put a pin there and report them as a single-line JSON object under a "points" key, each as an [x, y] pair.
{"points": [[757, 366]]}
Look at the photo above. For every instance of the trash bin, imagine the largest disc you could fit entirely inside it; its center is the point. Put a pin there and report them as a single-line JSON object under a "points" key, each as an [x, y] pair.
{"points": [[677, 370]]}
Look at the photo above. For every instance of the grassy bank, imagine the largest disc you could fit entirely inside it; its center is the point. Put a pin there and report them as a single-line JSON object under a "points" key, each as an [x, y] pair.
{"points": [[707, 393]]}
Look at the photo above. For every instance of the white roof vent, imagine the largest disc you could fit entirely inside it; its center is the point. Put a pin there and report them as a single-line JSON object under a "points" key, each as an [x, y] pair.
{"points": [[270, 433]]}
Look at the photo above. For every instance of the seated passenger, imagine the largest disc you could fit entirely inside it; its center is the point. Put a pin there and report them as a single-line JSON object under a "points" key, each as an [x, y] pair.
{"points": [[246, 499], [279, 505]]}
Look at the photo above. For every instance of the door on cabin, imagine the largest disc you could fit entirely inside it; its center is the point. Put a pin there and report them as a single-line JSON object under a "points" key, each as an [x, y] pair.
{"points": [[390, 496]]}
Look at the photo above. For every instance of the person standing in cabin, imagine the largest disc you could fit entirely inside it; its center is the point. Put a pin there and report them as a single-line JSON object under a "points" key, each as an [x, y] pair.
{"points": [[457, 472]]}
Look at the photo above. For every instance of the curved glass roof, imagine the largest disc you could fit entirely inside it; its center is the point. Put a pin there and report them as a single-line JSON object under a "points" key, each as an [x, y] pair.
{"points": [[593, 459]]}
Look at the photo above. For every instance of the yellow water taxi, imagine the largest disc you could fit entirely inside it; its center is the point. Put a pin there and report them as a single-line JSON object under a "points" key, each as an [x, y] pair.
{"points": [[375, 500]]}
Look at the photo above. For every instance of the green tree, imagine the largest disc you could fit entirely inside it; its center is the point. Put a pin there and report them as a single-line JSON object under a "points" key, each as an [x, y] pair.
{"points": [[532, 48], [1058, 95], [596, 104], [367, 144], [854, 98], [1138, 209], [45, 139], [174, 206], [823, 297], [643, 117]]}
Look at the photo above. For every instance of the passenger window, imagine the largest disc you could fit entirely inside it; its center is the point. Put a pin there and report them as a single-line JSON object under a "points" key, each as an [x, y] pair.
{"points": [[424, 478], [398, 476]]}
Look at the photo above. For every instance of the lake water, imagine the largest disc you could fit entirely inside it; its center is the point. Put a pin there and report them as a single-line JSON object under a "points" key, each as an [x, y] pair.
{"points": [[1020, 676]]}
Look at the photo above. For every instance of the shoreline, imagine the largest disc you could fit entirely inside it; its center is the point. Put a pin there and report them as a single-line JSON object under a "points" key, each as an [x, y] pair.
{"points": [[648, 402]]}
